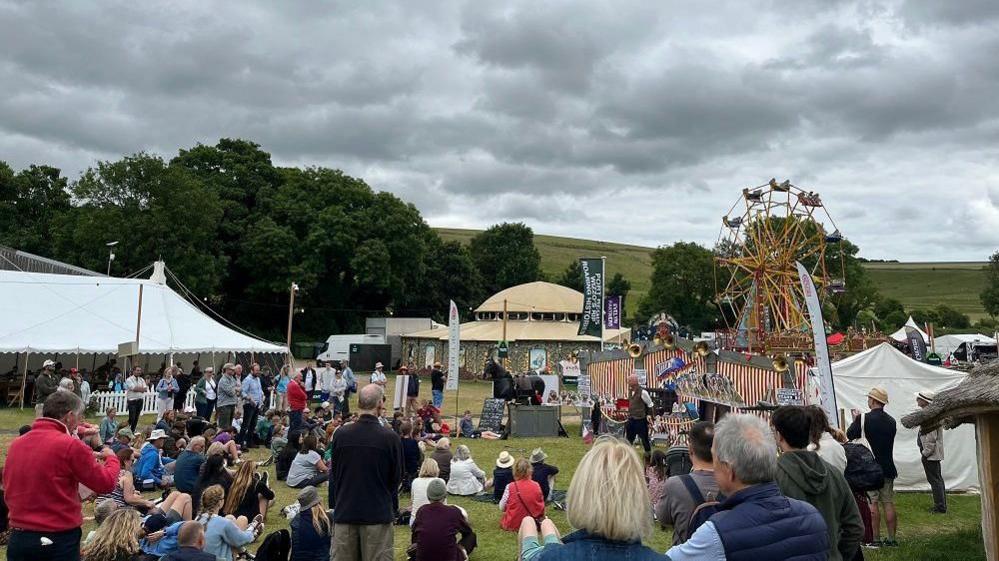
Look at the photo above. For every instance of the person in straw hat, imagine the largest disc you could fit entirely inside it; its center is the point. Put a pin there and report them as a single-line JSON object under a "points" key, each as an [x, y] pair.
{"points": [[502, 475], [931, 451], [879, 428], [311, 529]]}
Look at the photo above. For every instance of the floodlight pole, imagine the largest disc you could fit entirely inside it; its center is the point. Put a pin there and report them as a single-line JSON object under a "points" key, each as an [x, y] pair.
{"points": [[291, 312], [504, 335]]}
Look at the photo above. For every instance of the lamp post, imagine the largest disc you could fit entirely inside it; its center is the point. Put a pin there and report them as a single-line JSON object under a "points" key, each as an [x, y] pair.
{"points": [[110, 246], [291, 313]]}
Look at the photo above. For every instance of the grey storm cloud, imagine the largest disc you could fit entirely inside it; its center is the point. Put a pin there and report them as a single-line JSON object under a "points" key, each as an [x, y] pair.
{"points": [[628, 121]]}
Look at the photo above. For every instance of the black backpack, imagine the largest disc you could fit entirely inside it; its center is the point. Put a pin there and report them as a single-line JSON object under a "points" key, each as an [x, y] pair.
{"points": [[275, 547], [863, 473]]}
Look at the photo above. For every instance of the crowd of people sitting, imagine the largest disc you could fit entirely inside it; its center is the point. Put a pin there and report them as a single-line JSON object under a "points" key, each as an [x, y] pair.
{"points": [[184, 489]]}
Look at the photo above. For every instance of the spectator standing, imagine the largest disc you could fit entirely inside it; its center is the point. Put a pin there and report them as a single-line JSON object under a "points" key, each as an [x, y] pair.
{"points": [[755, 521], [109, 426], [378, 376], [502, 474], [931, 451], [48, 462], [522, 498], [309, 381], [183, 386], [325, 382], [879, 429], [437, 386], [682, 494], [803, 475], [825, 440], [253, 400], [298, 402], [228, 395], [45, 384], [311, 529], [437, 528], [281, 388], [135, 392], [412, 390], [348, 375], [367, 470], [85, 389], [338, 392], [639, 409], [544, 474], [205, 394], [166, 389]]}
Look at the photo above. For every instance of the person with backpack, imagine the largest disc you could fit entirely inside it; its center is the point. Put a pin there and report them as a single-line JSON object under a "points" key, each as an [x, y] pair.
{"points": [[879, 428], [755, 521], [682, 494], [803, 475]]}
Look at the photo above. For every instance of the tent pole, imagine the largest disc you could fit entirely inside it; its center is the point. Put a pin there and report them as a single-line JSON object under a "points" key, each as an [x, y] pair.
{"points": [[138, 320], [24, 378], [78, 359]]}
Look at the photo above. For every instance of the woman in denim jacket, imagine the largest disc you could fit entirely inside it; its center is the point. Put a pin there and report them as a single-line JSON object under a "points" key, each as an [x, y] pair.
{"points": [[610, 523]]}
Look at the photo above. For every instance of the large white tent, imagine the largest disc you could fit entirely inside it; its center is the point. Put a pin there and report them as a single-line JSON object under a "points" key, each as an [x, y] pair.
{"points": [[902, 377], [946, 344], [901, 336], [51, 313]]}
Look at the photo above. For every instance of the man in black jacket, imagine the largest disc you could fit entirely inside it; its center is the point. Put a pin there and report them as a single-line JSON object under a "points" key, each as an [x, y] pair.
{"points": [[367, 469], [437, 385], [879, 429]]}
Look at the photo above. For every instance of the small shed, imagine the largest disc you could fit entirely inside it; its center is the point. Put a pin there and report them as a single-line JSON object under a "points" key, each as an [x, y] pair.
{"points": [[974, 400]]}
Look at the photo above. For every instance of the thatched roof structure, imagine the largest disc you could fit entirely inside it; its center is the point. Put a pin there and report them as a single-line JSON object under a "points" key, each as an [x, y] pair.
{"points": [[977, 394]]}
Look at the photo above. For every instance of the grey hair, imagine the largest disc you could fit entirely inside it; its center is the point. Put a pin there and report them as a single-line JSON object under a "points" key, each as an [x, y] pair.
{"points": [[369, 397], [745, 443], [461, 453], [66, 384]]}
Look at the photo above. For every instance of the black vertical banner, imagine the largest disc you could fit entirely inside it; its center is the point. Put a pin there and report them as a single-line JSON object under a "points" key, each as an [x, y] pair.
{"points": [[593, 297]]}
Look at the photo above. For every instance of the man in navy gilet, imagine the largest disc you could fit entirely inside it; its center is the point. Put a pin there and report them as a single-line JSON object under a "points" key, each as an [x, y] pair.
{"points": [[755, 522]]}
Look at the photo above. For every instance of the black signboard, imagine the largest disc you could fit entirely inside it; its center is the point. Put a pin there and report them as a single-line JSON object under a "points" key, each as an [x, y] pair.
{"points": [[492, 415]]}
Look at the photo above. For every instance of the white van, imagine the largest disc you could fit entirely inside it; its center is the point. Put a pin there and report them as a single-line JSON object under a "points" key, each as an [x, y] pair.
{"points": [[338, 346]]}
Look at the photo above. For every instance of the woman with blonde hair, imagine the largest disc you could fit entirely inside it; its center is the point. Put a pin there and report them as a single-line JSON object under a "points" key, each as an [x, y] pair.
{"points": [[225, 533], [418, 491], [311, 529], [117, 538], [249, 494], [610, 524], [522, 499]]}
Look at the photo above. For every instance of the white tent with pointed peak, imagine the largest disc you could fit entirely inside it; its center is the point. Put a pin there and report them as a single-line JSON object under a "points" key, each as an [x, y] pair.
{"points": [[53, 313], [886, 367], [900, 334]]}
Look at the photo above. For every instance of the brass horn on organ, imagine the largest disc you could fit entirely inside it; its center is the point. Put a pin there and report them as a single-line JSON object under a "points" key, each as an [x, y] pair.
{"points": [[634, 350], [667, 341], [780, 363]]}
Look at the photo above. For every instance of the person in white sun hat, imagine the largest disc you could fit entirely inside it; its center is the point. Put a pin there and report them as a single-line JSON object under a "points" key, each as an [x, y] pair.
{"points": [[45, 383], [378, 375], [931, 450]]}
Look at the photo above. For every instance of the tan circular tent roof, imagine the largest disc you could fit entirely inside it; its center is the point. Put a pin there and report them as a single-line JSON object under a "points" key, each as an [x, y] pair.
{"points": [[535, 297]]}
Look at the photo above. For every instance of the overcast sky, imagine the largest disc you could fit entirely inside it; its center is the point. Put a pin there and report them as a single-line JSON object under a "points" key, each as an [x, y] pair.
{"points": [[632, 122]]}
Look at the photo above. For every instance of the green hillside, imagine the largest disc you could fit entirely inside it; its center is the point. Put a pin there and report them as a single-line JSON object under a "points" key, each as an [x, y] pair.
{"points": [[916, 285]]}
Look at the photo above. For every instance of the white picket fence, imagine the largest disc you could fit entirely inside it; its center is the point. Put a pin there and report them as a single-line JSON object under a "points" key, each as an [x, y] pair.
{"points": [[120, 403]]}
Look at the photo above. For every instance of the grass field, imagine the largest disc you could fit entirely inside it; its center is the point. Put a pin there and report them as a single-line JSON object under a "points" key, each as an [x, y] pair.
{"points": [[922, 536], [927, 285], [916, 285]]}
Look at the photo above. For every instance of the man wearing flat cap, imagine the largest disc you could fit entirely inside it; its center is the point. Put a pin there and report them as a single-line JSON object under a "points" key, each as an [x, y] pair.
{"points": [[931, 451], [879, 428]]}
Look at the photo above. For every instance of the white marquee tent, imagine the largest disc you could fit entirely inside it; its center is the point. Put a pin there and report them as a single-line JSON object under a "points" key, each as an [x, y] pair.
{"points": [[902, 377], [946, 344], [51, 313], [900, 334]]}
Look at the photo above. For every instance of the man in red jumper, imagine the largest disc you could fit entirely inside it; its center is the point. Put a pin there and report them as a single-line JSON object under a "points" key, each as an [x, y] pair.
{"points": [[298, 401], [42, 479]]}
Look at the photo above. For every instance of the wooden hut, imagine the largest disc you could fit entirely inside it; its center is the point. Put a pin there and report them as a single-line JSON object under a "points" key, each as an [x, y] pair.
{"points": [[974, 400]]}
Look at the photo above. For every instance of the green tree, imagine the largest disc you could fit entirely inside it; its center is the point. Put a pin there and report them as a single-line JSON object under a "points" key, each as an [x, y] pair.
{"points": [[618, 286], [949, 317], [572, 276], [683, 286], [154, 211], [505, 256], [886, 306], [451, 275], [34, 203], [893, 320], [990, 296]]}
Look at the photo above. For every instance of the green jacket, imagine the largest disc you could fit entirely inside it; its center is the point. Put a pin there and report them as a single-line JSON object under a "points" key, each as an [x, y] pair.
{"points": [[45, 384], [805, 476]]}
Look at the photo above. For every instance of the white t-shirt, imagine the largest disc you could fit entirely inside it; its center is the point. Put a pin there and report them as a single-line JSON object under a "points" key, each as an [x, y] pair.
{"points": [[378, 377], [210, 389], [303, 467]]}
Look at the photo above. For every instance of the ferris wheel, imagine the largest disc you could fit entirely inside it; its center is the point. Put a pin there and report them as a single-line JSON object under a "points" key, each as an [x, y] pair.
{"points": [[766, 231]]}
